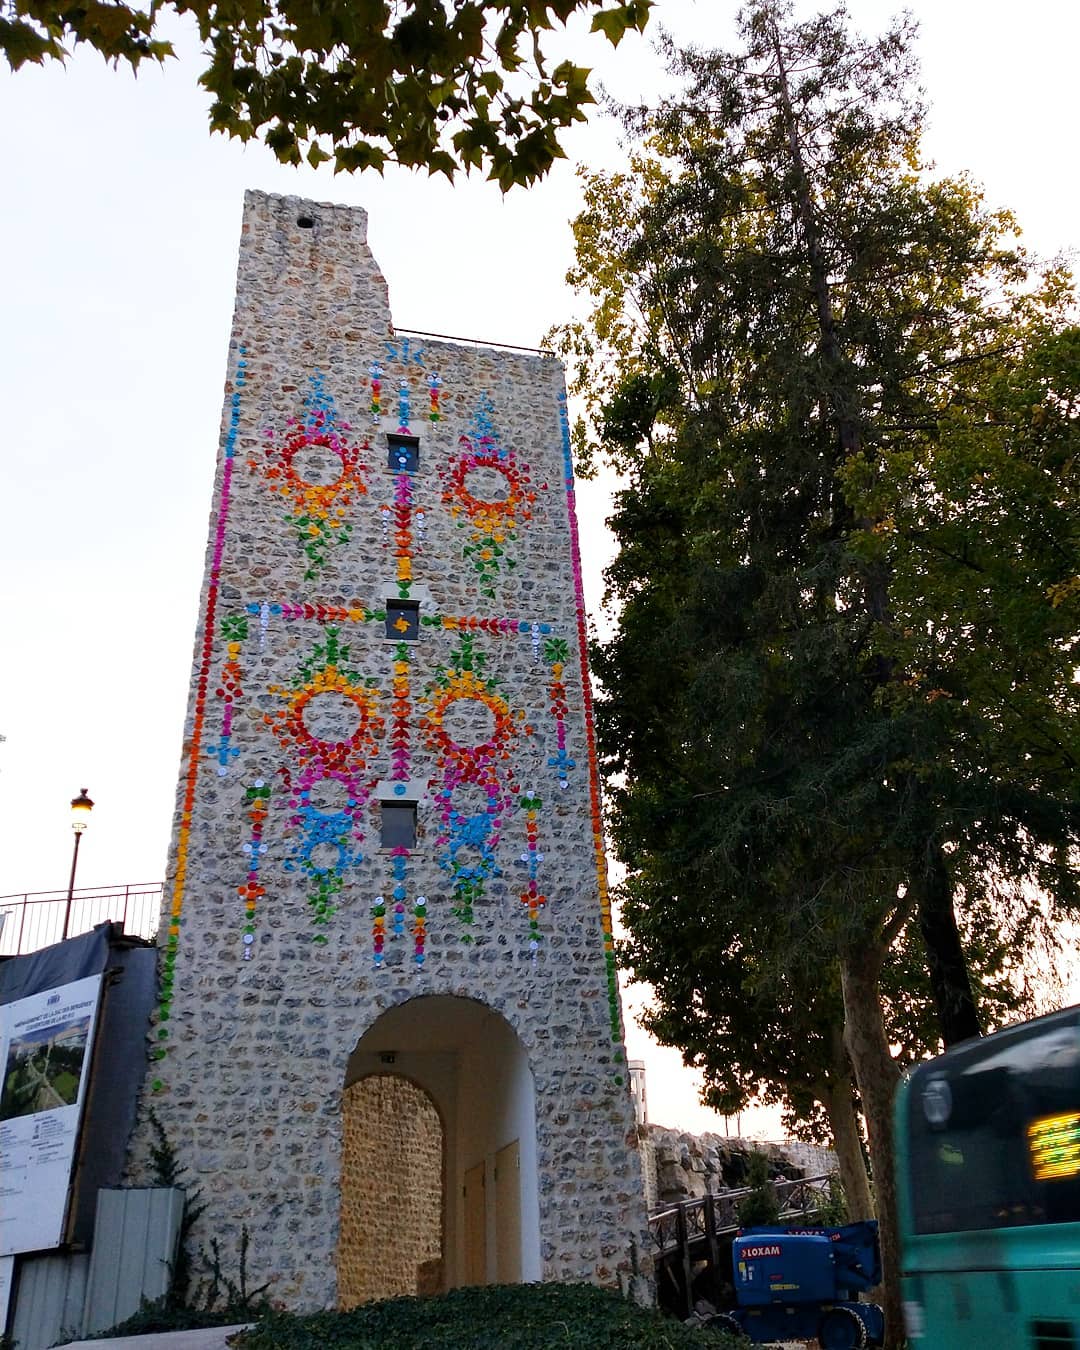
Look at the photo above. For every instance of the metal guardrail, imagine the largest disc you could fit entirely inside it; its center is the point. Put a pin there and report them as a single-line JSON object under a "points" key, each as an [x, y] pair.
{"points": [[35, 919], [711, 1216]]}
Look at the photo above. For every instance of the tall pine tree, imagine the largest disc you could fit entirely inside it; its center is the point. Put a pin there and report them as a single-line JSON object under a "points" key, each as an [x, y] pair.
{"points": [[811, 342]]}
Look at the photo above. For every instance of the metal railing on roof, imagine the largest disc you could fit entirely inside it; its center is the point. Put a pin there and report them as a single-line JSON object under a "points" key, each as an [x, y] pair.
{"points": [[35, 919]]}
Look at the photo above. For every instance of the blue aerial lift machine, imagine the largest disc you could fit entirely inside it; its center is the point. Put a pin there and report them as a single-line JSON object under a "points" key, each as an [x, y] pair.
{"points": [[801, 1283]]}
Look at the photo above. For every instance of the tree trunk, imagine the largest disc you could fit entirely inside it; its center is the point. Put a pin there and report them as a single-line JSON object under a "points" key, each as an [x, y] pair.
{"points": [[877, 1077], [838, 1099], [958, 1017]]}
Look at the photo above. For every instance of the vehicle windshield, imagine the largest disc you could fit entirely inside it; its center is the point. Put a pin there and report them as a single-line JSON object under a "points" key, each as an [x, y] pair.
{"points": [[994, 1132]]}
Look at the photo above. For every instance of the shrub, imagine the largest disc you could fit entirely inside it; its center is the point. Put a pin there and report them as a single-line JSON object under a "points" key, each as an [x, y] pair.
{"points": [[831, 1211], [496, 1317], [159, 1318], [762, 1205]]}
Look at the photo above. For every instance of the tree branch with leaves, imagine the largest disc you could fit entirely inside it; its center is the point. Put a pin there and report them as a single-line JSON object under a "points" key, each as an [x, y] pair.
{"points": [[361, 83]]}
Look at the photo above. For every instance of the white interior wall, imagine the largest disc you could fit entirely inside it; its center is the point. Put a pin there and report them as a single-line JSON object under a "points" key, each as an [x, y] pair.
{"points": [[497, 1105]]}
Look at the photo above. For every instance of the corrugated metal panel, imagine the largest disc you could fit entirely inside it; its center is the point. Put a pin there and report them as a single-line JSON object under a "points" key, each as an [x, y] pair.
{"points": [[49, 1299], [135, 1240]]}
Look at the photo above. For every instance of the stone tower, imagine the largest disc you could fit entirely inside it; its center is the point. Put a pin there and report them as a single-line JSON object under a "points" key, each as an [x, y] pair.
{"points": [[389, 1038]]}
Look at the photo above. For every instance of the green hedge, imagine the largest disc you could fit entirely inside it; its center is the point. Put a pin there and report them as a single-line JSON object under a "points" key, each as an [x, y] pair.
{"points": [[497, 1317]]}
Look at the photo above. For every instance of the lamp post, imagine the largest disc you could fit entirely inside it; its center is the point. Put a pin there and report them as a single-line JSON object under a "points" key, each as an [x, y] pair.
{"points": [[81, 806]]}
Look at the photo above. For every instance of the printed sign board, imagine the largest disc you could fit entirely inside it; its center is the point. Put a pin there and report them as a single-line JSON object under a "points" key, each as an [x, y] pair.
{"points": [[46, 1042], [7, 1270]]}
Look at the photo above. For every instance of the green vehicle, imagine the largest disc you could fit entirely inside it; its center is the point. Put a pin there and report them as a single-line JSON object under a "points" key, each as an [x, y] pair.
{"points": [[988, 1171]]}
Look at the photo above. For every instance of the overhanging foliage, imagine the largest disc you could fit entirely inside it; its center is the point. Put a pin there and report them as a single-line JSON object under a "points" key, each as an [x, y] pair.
{"points": [[423, 83]]}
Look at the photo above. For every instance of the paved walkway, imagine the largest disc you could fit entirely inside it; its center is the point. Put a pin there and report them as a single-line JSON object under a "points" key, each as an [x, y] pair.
{"points": [[209, 1338]]}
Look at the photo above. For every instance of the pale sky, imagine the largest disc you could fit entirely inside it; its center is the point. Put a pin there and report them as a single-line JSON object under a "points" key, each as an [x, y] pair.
{"points": [[119, 232]]}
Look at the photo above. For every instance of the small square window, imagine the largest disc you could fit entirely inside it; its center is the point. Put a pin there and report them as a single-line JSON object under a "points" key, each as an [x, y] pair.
{"points": [[403, 620], [403, 453], [398, 825]]}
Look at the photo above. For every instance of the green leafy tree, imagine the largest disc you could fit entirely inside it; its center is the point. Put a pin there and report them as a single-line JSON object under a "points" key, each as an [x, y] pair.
{"points": [[361, 82], [755, 1035], [762, 1031], [804, 331]]}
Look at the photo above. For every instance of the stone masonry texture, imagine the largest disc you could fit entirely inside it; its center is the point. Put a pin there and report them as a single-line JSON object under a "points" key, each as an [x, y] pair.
{"points": [[384, 1248], [377, 631], [679, 1166]]}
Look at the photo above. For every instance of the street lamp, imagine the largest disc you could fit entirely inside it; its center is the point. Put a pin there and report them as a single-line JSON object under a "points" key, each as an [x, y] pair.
{"points": [[81, 806]]}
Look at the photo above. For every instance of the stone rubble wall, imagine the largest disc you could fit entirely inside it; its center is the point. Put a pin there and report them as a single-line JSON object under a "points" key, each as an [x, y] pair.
{"points": [[680, 1166], [392, 1142]]}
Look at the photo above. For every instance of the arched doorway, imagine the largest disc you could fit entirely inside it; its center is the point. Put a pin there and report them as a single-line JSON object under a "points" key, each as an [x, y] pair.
{"points": [[464, 1063], [391, 1191]]}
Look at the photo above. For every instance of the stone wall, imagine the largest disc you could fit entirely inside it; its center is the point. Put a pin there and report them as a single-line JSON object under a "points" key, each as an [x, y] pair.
{"points": [[391, 1191], [680, 1166], [290, 927]]}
